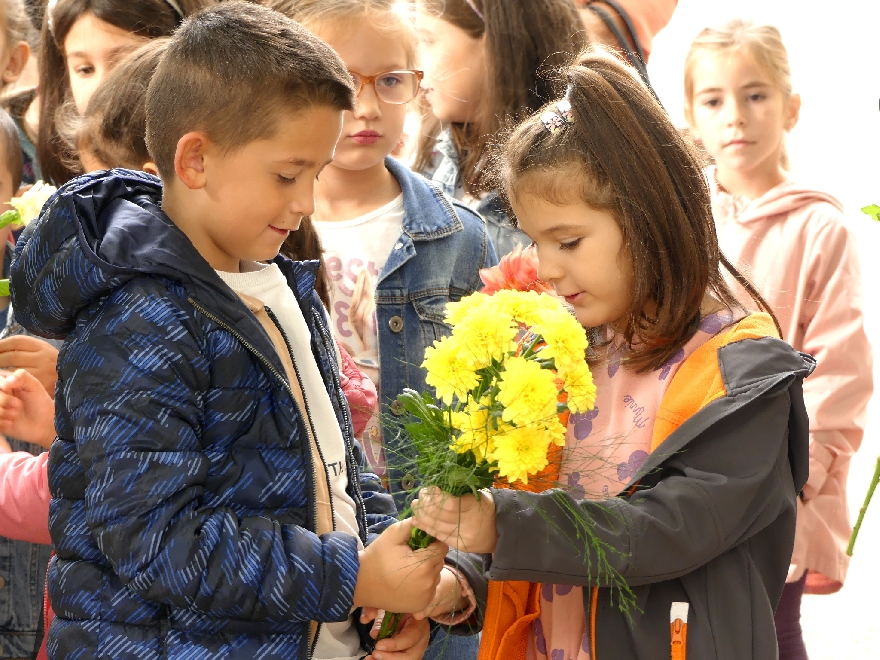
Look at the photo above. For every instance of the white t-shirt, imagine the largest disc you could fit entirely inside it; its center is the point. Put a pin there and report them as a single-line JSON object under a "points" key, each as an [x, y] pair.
{"points": [[355, 252], [266, 283]]}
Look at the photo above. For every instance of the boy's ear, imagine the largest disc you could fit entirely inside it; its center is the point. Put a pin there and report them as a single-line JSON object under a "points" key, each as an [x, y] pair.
{"points": [[150, 168], [189, 160], [18, 58], [793, 111]]}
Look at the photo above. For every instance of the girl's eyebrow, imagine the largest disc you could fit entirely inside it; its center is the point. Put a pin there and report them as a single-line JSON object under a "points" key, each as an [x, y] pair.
{"points": [[749, 85], [561, 227]]}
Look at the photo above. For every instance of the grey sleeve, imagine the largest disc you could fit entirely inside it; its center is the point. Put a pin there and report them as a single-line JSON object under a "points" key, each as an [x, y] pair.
{"points": [[730, 482]]}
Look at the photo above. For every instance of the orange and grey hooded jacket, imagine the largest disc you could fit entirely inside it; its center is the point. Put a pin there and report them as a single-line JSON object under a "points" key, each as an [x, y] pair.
{"points": [[706, 526]]}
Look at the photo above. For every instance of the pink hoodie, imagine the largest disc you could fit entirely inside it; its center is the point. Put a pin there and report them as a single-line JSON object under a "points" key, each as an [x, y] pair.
{"points": [[24, 497], [793, 244]]}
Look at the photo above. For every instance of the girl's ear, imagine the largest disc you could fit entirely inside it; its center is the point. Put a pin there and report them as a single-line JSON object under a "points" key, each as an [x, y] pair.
{"points": [[17, 59], [793, 112], [189, 159], [150, 168]]}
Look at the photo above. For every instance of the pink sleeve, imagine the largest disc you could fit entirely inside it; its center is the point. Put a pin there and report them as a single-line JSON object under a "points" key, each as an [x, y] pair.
{"points": [[455, 618], [831, 329], [359, 390], [24, 497]]}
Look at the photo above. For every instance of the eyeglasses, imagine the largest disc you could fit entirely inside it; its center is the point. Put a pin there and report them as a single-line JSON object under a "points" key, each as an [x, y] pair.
{"points": [[395, 87]]}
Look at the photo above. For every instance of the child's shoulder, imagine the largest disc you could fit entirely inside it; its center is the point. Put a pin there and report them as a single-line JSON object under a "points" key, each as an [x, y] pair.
{"points": [[439, 214]]}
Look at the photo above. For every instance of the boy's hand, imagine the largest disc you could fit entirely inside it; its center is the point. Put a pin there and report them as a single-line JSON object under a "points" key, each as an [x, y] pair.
{"points": [[465, 523], [448, 598], [27, 412], [395, 578], [37, 357], [410, 642]]}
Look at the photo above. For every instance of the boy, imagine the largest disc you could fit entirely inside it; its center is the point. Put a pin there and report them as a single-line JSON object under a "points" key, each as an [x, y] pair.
{"points": [[207, 499]]}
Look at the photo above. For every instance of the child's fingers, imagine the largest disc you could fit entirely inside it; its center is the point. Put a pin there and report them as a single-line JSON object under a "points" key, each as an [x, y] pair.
{"points": [[409, 635], [369, 614]]}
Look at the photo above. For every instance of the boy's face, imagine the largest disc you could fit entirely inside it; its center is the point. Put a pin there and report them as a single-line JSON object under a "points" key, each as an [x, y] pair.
{"points": [[252, 198], [373, 129]]}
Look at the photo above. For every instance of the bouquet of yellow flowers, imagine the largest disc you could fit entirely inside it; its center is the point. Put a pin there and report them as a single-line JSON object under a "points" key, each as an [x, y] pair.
{"points": [[506, 380]]}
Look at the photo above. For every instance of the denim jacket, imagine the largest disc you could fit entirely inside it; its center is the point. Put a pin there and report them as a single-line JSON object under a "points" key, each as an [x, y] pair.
{"points": [[437, 259], [445, 171], [22, 564]]}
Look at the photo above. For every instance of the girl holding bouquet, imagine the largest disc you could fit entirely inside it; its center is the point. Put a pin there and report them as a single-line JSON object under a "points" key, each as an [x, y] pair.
{"points": [[684, 478]]}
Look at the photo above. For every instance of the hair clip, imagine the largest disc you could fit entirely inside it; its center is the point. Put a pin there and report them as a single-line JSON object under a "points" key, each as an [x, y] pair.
{"points": [[555, 120], [476, 11]]}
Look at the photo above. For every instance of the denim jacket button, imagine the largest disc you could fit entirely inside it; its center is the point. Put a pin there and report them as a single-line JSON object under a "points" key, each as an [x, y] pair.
{"points": [[397, 407], [408, 482], [395, 323]]}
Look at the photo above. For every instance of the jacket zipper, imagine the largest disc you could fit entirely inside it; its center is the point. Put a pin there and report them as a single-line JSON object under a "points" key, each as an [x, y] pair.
{"points": [[281, 378]]}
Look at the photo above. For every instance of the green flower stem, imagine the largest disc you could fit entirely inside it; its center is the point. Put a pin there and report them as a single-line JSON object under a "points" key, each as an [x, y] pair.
{"points": [[874, 481], [418, 540], [11, 217]]}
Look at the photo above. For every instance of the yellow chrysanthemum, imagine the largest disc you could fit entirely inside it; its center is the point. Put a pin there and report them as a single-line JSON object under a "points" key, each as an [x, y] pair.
{"points": [[578, 383], [566, 339], [527, 392], [555, 431], [520, 452], [457, 311], [522, 306], [476, 434], [486, 336], [448, 370]]}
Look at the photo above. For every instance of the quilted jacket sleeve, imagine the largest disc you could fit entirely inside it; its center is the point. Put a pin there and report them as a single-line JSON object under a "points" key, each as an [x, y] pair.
{"points": [[135, 400]]}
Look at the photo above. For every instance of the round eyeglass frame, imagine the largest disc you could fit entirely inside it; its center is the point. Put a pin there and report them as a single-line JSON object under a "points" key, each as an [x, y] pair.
{"points": [[371, 80]]}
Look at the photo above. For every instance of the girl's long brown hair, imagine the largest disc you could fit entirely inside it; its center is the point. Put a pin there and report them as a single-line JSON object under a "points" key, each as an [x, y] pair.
{"points": [[523, 39], [147, 18], [622, 154]]}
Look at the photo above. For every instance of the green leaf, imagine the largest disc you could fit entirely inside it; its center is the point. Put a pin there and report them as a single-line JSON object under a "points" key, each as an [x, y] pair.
{"points": [[873, 210], [4, 288]]}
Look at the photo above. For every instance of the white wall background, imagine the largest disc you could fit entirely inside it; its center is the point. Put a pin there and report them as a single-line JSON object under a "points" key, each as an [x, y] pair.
{"points": [[835, 57]]}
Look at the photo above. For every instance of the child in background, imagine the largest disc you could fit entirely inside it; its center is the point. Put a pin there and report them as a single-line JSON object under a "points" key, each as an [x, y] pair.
{"points": [[82, 41], [699, 516], [16, 33], [231, 502], [794, 242], [485, 63], [397, 249]]}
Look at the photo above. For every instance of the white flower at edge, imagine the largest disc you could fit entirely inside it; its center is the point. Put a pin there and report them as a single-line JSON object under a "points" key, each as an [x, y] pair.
{"points": [[31, 202]]}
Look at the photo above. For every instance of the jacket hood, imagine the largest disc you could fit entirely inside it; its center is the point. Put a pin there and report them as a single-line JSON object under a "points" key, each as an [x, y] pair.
{"points": [[96, 233], [785, 198]]}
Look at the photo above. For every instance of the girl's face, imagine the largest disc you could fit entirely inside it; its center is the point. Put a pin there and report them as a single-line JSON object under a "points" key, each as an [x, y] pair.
{"points": [[374, 129], [455, 66], [91, 49], [739, 114], [581, 253]]}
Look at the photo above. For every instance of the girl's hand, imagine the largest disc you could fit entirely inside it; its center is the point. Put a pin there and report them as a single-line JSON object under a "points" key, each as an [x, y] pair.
{"points": [[448, 598], [409, 643], [27, 412], [37, 357], [464, 523]]}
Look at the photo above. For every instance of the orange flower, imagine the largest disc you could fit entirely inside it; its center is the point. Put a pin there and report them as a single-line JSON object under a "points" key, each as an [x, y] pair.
{"points": [[517, 271]]}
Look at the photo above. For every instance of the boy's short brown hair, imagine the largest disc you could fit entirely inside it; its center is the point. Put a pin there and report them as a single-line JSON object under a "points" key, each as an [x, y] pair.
{"points": [[230, 70]]}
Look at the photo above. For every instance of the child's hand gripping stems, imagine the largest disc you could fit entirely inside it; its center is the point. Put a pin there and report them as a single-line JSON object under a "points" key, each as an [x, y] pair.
{"points": [[396, 578], [466, 523]]}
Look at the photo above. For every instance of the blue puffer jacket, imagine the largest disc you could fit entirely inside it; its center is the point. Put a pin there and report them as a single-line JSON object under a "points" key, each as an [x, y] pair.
{"points": [[182, 480]]}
